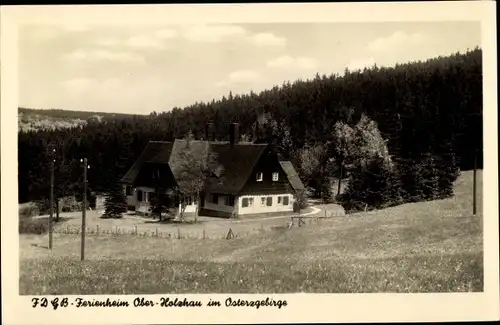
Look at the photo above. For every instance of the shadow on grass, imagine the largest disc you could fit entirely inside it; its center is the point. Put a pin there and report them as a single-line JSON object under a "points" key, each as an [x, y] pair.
{"points": [[104, 216], [40, 246], [37, 226], [175, 222]]}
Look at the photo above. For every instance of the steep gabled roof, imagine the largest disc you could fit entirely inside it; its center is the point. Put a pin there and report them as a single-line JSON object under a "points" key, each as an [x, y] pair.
{"points": [[237, 162], [292, 175], [155, 151]]}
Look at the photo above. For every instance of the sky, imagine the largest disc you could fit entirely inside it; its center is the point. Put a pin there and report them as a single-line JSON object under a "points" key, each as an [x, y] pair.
{"points": [[145, 68]]}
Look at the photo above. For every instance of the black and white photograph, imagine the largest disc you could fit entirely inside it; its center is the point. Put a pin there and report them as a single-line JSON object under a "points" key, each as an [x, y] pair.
{"points": [[248, 160]]}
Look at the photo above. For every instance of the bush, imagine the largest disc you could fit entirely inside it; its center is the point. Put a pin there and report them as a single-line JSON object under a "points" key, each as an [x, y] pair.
{"points": [[326, 190], [70, 204], [27, 210], [33, 226], [43, 206], [300, 201]]}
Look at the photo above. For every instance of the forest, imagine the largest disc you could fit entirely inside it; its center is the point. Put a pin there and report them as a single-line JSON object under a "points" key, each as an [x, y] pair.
{"points": [[428, 114]]}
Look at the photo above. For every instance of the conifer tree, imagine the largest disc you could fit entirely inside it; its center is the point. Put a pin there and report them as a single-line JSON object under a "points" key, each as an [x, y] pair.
{"points": [[115, 203]]}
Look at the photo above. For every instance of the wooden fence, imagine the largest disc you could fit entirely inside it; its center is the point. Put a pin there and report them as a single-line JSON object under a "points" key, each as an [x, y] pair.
{"points": [[203, 233], [178, 233]]}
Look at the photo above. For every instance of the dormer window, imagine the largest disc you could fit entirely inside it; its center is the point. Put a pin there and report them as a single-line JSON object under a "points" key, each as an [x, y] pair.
{"points": [[275, 177], [259, 177]]}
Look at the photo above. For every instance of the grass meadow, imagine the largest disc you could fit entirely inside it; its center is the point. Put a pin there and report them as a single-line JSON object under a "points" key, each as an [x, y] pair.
{"points": [[431, 246]]}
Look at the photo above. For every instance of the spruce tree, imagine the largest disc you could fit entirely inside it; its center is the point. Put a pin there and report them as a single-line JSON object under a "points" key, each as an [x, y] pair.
{"points": [[373, 185], [429, 177], [115, 203]]}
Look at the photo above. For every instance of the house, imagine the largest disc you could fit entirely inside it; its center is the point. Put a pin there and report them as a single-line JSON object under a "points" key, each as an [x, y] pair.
{"points": [[253, 180]]}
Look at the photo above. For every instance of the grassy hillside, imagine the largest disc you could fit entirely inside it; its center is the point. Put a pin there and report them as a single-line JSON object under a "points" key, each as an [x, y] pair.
{"points": [[420, 247]]}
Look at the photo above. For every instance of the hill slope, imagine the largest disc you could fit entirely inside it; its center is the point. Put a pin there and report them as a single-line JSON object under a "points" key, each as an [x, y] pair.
{"points": [[53, 119]]}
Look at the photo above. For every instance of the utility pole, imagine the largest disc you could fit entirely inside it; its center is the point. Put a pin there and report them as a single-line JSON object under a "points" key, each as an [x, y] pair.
{"points": [[84, 206], [474, 184], [51, 213]]}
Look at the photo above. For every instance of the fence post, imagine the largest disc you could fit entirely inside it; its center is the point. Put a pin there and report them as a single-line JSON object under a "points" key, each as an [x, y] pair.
{"points": [[135, 229], [156, 232], [97, 231], [203, 233], [117, 230], [178, 233], [230, 234]]}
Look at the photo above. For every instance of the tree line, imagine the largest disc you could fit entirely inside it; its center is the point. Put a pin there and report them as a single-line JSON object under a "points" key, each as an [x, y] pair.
{"points": [[427, 113]]}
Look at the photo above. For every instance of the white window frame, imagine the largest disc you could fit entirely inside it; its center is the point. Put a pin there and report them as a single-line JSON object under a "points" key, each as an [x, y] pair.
{"points": [[259, 177], [249, 200], [276, 176]]}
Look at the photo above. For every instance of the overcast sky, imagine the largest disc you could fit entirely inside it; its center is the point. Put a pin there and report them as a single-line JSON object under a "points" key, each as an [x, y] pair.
{"points": [[144, 69]]}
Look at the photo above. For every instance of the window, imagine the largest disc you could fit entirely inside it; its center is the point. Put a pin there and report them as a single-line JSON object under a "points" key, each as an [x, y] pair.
{"points": [[139, 195], [269, 201], [260, 176], [262, 201], [189, 200], [128, 190], [247, 202], [275, 177], [230, 200], [283, 200], [215, 199]]}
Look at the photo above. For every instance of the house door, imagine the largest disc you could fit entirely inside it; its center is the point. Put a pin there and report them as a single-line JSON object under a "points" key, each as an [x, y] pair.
{"points": [[202, 200]]}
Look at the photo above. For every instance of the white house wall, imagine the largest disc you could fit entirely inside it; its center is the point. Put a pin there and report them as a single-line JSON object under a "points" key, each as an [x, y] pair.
{"points": [[189, 208], [221, 206], [258, 208]]}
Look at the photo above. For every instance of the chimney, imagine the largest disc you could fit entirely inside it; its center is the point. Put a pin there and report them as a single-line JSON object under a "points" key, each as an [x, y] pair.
{"points": [[234, 134], [209, 132]]}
